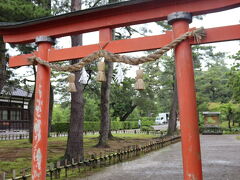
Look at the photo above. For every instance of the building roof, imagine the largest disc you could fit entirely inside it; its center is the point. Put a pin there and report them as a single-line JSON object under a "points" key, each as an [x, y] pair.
{"points": [[6, 91]]}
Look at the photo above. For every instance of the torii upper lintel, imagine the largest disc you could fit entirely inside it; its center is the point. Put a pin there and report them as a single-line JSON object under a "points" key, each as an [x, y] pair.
{"points": [[111, 16]]}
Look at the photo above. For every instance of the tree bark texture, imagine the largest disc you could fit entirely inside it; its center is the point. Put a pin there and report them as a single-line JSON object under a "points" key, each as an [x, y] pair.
{"points": [[51, 102], [105, 99], [172, 123], [3, 62], [75, 134], [30, 115], [229, 117]]}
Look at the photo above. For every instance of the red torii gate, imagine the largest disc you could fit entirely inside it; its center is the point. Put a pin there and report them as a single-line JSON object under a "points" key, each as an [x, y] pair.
{"points": [[104, 19]]}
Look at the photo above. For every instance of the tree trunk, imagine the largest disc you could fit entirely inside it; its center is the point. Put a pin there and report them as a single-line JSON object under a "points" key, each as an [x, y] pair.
{"points": [[31, 107], [110, 136], [30, 115], [51, 102], [233, 120], [229, 117], [229, 123], [3, 71], [125, 116], [172, 122], [75, 134], [105, 97]]}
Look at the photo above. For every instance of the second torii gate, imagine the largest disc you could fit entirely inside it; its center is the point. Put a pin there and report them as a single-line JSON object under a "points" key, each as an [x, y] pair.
{"points": [[104, 19]]}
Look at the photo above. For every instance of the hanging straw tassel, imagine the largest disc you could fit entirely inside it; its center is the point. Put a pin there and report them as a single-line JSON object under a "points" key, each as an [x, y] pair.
{"points": [[139, 85], [71, 80], [101, 77]]}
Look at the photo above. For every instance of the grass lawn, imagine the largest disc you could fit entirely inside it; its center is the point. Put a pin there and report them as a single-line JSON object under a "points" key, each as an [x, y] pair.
{"points": [[16, 154]]}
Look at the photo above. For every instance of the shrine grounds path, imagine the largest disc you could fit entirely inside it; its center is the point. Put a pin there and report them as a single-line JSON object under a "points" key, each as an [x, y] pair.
{"points": [[220, 158]]}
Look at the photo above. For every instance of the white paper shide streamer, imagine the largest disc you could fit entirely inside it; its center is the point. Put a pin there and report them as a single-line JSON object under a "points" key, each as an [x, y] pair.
{"points": [[119, 75], [84, 77]]}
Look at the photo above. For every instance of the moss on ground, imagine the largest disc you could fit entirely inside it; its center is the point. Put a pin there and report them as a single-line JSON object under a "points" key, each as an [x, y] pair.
{"points": [[16, 154]]}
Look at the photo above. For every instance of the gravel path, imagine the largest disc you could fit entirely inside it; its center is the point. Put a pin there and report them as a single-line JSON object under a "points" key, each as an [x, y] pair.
{"points": [[220, 158]]}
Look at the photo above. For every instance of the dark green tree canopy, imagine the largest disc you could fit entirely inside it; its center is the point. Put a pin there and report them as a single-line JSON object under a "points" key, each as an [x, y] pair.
{"points": [[21, 10]]}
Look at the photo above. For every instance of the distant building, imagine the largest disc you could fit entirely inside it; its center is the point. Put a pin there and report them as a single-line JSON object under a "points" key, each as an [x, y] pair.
{"points": [[211, 118], [14, 113], [212, 123]]}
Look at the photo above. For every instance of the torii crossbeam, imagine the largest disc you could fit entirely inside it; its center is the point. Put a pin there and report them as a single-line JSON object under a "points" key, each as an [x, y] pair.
{"points": [[104, 19]]}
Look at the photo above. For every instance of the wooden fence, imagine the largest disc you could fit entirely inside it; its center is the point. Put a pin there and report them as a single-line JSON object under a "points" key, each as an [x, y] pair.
{"points": [[6, 136], [65, 168]]}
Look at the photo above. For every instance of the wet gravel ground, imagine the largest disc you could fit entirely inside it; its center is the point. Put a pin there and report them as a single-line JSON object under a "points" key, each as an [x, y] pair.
{"points": [[220, 158]]}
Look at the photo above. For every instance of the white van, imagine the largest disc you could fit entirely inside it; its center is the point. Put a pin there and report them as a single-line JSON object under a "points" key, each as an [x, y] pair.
{"points": [[162, 118]]}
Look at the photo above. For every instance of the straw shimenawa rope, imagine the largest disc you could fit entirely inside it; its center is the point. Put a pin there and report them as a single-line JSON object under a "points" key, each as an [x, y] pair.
{"points": [[198, 34]]}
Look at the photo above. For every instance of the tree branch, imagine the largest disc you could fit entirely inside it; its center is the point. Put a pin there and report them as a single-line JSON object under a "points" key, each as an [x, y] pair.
{"points": [[96, 3]]}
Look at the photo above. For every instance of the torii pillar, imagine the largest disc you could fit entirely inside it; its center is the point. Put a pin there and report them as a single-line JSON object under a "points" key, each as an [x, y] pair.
{"points": [[191, 153], [41, 111]]}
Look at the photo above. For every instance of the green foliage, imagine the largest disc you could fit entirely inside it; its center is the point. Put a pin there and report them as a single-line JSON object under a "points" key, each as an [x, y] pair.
{"points": [[159, 86], [20, 10], [60, 127], [135, 115], [211, 86], [234, 130], [14, 11], [234, 78], [60, 114], [229, 111], [95, 126], [122, 98], [91, 126], [147, 128], [91, 110], [201, 120]]}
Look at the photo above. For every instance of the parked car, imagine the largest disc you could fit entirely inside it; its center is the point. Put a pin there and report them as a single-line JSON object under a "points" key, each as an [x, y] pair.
{"points": [[162, 118]]}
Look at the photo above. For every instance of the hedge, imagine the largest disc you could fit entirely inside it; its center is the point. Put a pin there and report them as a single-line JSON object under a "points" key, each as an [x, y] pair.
{"points": [[95, 126], [142, 119]]}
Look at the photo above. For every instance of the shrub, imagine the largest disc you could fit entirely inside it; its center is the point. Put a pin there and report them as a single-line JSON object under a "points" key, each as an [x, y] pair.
{"points": [[147, 128], [60, 127], [147, 123], [95, 126], [91, 126]]}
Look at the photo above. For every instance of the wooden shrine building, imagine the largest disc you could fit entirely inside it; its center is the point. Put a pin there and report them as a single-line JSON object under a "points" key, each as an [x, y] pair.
{"points": [[14, 113]]}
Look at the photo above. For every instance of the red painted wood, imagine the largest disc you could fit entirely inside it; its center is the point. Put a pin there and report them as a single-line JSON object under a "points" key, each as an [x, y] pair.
{"points": [[40, 132], [220, 34], [226, 33], [191, 153], [146, 11]]}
